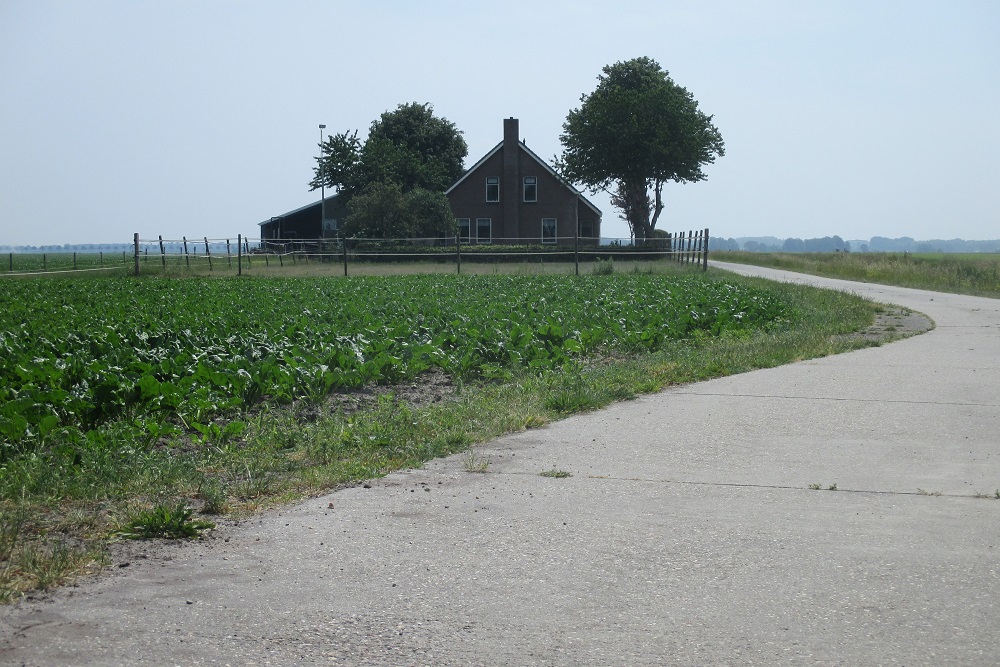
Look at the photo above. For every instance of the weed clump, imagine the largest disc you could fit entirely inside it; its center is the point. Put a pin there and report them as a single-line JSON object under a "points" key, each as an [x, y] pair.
{"points": [[174, 521]]}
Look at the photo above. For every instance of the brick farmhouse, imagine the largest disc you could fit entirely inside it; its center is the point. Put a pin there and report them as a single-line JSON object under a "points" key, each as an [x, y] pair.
{"points": [[510, 196]]}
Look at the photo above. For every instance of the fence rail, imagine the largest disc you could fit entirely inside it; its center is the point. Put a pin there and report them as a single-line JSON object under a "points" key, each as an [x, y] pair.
{"points": [[685, 247], [246, 253], [23, 264]]}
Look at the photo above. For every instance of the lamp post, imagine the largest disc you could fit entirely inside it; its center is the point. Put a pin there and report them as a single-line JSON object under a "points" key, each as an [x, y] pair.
{"points": [[322, 186]]}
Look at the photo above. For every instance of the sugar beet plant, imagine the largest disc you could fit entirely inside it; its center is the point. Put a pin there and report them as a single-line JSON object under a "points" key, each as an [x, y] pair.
{"points": [[145, 357]]}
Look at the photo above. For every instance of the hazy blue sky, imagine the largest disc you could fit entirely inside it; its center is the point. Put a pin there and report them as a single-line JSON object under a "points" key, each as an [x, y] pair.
{"points": [[855, 118]]}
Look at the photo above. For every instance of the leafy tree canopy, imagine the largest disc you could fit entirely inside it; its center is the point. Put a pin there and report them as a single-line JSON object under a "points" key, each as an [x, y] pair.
{"points": [[410, 147], [634, 133], [393, 183], [339, 163], [384, 210]]}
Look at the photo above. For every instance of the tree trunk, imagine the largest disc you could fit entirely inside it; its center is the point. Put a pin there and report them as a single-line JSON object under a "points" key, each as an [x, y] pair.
{"points": [[657, 204], [633, 200]]}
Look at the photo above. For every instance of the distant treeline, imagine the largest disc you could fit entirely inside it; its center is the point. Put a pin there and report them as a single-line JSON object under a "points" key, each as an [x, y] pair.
{"points": [[837, 244], [69, 247], [195, 247]]}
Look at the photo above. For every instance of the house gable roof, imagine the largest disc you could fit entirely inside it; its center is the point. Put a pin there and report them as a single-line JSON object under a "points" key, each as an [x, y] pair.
{"points": [[527, 151]]}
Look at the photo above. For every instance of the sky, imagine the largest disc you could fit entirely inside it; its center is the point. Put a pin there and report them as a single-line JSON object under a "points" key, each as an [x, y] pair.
{"points": [[200, 117]]}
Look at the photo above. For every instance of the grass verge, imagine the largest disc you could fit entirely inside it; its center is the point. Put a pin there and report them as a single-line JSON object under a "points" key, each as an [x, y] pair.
{"points": [[973, 274]]}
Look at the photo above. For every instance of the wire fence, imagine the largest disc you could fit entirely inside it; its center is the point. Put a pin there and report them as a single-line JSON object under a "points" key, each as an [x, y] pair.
{"points": [[22, 264], [250, 254], [686, 247]]}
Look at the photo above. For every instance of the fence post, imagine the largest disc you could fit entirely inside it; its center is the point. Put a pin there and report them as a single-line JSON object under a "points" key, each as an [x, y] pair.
{"points": [[187, 260], [239, 255], [704, 255], [10, 259], [229, 254], [576, 246], [135, 242], [208, 253], [74, 260], [343, 243], [246, 242], [458, 251]]}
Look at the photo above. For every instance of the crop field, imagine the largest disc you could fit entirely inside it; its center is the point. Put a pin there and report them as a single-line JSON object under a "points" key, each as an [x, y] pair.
{"points": [[63, 261], [164, 353], [977, 274], [128, 404]]}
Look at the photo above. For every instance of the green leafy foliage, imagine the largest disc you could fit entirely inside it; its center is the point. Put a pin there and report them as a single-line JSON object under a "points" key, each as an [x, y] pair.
{"points": [[339, 162], [398, 174], [82, 361], [173, 521], [413, 148], [637, 131], [383, 210]]}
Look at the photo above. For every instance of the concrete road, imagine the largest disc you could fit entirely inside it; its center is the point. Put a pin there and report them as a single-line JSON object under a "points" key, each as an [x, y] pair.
{"points": [[687, 534]]}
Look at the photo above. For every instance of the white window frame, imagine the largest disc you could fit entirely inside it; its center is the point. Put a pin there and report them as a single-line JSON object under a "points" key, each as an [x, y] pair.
{"points": [[555, 227], [493, 182], [533, 182], [489, 228]]}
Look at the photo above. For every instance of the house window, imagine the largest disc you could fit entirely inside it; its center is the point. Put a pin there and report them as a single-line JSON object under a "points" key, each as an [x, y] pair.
{"points": [[530, 188], [484, 230], [492, 188], [548, 230], [586, 229], [463, 229]]}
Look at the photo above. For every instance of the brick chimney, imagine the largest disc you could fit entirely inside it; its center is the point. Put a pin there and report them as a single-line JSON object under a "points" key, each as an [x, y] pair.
{"points": [[510, 190]]}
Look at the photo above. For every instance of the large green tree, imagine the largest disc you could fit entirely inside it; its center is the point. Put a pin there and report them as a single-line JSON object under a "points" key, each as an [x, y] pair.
{"points": [[637, 131], [409, 159], [409, 146]]}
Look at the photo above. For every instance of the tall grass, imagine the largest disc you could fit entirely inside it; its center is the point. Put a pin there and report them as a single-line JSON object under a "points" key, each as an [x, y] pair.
{"points": [[974, 274]]}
